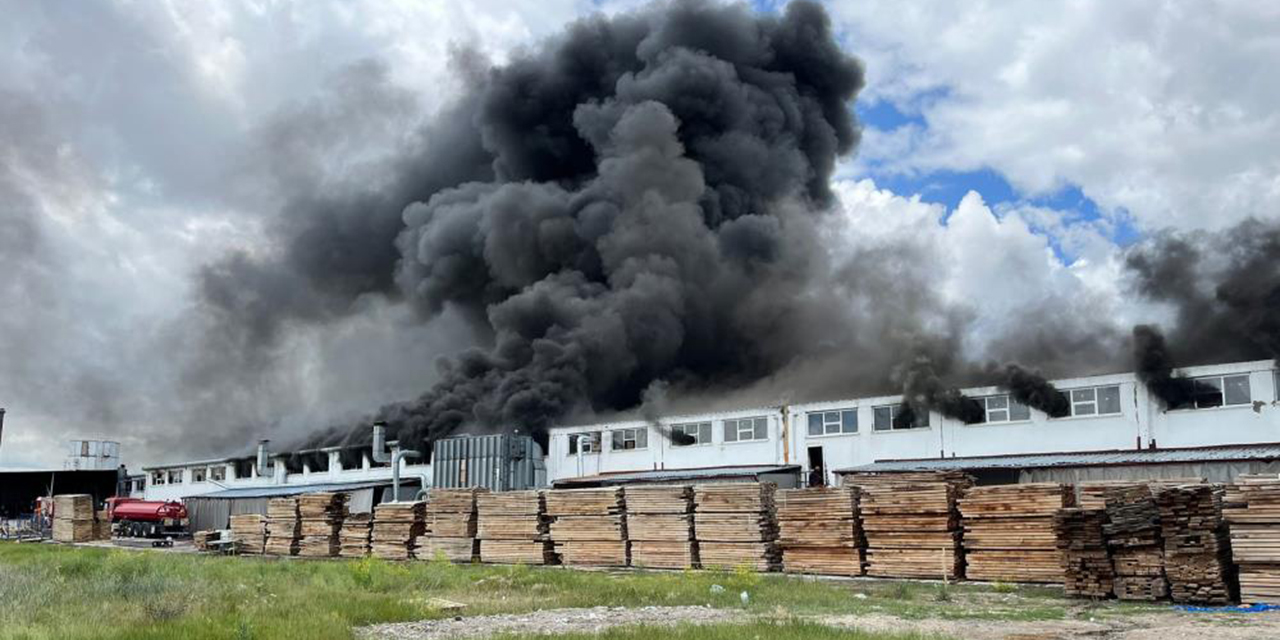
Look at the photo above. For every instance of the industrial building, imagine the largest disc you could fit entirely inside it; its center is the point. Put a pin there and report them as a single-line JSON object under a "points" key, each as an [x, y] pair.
{"points": [[90, 466]]}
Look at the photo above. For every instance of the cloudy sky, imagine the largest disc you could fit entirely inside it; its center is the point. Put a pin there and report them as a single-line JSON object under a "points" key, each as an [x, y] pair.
{"points": [[1026, 144]]}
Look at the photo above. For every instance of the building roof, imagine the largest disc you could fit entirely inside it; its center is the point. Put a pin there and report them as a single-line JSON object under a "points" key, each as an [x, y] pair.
{"points": [[277, 490], [675, 475], [1227, 453]]}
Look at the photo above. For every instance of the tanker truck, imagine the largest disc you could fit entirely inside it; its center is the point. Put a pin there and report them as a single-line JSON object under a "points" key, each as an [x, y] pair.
{"points": [[136, 518]]}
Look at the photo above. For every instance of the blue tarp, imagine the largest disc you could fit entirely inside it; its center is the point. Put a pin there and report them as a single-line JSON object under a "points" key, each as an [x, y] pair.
{"points": [[1252, 608]]}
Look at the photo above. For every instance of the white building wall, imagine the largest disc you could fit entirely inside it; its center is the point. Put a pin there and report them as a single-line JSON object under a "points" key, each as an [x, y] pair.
{"points": [[188, 487], [1140, 423]]}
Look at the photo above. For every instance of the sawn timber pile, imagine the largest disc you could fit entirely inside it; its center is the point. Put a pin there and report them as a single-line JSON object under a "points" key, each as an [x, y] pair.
{"points": [[912, 523], [250, 532], [589, 526], [353, 537], [513, 528], [1009, 534], [736, 526], [73, 518], [451, 525], [1137, 551], [283, 527], [1197, 546], [660, 527], [320, 518], [820, 532], [1086, 560], [396, 528], [1254, 519]]}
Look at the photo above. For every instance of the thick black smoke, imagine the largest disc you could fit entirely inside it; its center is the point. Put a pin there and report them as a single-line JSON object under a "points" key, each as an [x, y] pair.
{"points": [[648, 216], [1154, 366], [1034, 390], [923, 389]]}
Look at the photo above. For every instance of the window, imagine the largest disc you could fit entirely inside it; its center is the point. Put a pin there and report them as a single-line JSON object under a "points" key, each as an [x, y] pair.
{"points": [[691, 434], [175, 476], [628, 439], [1275, 385], [745, 429], [584, 443], [826, 423], [157, 477], [890, 418], [197, 475], [1002, 408], [1219, 391], [1095, 401], [218, 473]]}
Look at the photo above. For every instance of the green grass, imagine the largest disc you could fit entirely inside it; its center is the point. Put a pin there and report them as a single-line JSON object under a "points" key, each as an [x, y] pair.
{"points": [[49, 591], [793, 630]]}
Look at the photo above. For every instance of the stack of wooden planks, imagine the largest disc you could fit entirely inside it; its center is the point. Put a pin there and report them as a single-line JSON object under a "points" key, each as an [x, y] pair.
{"points": [[736, 526], [283, 527], [1133, 535], [912, 523], [250, 532], [201, 539], [1197, 549], [73, 519], [102, 525], [513, 528], [1088, 571], [1009, 534], [353, 537], [1254, 519], [589, 526], [660, 527], [820, 532], [396, 528], [320, 516], [451, 525]]}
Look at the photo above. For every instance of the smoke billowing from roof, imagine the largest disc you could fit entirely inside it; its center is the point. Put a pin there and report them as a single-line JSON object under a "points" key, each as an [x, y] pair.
{"points": [[1034, 390]]}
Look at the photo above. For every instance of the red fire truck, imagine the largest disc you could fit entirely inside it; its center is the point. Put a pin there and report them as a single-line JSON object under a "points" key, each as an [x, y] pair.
{"points": [[147, 518]]}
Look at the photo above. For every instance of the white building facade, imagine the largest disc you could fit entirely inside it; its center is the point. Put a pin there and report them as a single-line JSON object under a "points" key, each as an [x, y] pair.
{"points": [[1235, 404]]}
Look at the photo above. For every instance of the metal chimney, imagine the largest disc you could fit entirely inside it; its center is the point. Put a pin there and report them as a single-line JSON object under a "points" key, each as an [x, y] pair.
{"points": [[1, 425]]}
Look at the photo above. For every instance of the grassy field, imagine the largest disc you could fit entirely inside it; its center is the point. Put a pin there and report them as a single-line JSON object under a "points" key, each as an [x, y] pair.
{"points": [[49, 591]]}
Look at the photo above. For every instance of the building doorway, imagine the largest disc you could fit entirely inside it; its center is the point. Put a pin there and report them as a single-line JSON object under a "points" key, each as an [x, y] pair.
{"points": [[817, 468]]}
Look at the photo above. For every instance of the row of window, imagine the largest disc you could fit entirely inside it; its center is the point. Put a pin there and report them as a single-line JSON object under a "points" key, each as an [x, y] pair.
{"points": [[682, 435], [176, 476]]}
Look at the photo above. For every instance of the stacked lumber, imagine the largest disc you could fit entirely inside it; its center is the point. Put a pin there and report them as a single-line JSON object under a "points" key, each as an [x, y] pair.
{"points": [[249, 530], [1009, 532], [1093, 495], [660, 527], [1197, 549], [912, 523], [102, 525], [820, 532], [283, 527], [353, 537], [201, 539], [320, 516], [589, 526], [1087, 567], [1255, 538], [73, 519], [512, 528], [396, 528], [451, 525], [736, 526], [1137, 550]]}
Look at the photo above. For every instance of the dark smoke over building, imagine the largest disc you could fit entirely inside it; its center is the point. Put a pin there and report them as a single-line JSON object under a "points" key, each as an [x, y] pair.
{"points": [[1034, 390]]}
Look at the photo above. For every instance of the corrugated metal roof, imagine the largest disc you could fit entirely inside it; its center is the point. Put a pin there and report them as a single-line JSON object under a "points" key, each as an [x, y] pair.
{"points": [[276, 490], [673, 475], [1080, 459]]}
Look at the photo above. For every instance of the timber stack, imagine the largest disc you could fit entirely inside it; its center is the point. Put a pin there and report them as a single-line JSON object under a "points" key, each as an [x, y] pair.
{"points": [[396, 529], [353, 537], [451, 525], [1009, 533], [283, 527], [660, 527], [736, 526], [1133, 535], [1255, 537], [73, 519], [820, 532], [589, 526], [1088, 571], [513, 528], [320, 516], [1197, 547], [102, 525], [250, 533], [912, 523]]}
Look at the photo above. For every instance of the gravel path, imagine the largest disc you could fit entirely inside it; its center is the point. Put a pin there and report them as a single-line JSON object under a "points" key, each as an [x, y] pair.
{"points": [[552, 621]]}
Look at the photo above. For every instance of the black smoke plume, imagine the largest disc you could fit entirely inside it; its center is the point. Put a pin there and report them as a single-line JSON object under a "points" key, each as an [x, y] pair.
{"points": [[1154, 367], [1034, 390], [649, 215], [923, 389]]}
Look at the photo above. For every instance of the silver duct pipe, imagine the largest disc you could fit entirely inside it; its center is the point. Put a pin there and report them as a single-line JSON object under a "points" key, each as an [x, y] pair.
{"points": [[380, 454]]}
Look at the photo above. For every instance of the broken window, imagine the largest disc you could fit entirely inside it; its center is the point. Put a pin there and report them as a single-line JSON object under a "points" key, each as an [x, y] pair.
{"points": [[197, 475], [584, 443], [691, 434], [825, 423], [889, 418], [218, 474], [175, 476], [628, 439], [1219, 391], [746, 429], [157, 477]]}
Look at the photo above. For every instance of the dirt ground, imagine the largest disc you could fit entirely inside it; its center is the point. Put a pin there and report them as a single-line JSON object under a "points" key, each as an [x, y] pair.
{"points": [[1170, 625]]}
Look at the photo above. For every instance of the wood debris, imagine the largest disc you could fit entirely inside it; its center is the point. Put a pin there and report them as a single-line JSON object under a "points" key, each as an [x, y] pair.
{"points": [[1009, 534]]}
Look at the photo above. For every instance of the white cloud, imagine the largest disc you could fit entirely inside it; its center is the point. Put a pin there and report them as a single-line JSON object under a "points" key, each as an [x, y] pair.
{"points": [[1166, 110]]}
